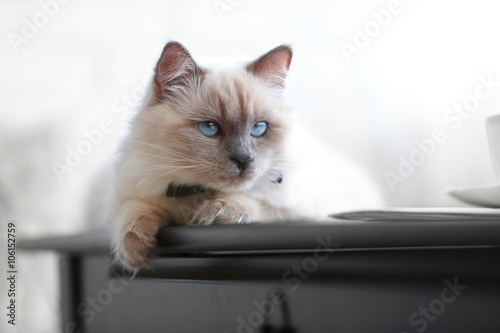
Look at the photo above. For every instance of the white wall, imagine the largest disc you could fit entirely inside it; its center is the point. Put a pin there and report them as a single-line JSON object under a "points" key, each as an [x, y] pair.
{"points": [[72, 72]]}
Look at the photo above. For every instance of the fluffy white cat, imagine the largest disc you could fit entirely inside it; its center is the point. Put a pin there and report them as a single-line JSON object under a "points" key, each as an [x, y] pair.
{"points": [[221, 146]]}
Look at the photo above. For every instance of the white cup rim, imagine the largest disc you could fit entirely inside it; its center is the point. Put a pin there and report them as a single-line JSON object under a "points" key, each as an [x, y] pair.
{"points": [[493, 118]]}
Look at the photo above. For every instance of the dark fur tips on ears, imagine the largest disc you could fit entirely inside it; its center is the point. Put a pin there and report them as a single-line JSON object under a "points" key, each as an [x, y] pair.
{"points": [[285, 50], [273, 65], [174, 68]]}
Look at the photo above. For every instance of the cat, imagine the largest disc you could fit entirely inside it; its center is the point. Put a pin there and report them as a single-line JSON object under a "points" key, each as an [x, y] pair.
{"points": [[220, 145]]}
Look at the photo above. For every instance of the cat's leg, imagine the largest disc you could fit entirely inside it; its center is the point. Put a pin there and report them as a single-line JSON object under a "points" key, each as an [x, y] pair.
{"points": [[226, 208], [135, 231]]}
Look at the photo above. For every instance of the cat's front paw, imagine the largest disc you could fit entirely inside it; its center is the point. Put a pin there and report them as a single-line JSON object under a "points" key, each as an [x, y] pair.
{"points": [[138, 241], [220, 211]]}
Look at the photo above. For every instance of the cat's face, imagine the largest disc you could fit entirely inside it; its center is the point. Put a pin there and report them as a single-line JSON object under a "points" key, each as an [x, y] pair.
{"points": [[223, 129]]}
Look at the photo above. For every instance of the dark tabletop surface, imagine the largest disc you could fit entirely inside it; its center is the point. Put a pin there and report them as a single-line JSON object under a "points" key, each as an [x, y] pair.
{"points": [[374, 232]]}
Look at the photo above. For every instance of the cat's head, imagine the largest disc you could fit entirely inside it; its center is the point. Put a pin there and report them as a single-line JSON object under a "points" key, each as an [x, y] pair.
{"points": [[221, 128]]}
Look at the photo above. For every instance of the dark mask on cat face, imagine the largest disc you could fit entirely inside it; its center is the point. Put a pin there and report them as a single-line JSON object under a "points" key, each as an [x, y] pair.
{"points": [[222, 129]]}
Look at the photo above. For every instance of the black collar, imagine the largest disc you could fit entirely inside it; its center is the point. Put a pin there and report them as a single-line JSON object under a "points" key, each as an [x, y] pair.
{"points": [[181, 190]]}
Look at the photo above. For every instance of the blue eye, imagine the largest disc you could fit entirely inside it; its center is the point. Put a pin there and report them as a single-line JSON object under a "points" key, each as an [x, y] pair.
{"points": [[259, 129], [208, 128]]}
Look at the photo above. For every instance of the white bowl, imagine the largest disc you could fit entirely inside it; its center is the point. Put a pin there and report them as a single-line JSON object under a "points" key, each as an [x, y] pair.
{"points": [[479, 196]]}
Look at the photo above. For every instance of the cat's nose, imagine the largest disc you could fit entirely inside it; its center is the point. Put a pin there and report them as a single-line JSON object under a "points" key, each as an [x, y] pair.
{"points": [[242, 161]]}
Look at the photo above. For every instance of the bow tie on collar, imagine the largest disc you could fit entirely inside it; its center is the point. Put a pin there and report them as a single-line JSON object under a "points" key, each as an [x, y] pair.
{"points": [[182, 190]]}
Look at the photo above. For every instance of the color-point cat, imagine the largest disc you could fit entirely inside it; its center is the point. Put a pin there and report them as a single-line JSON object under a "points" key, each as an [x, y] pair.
{"points": [[220, 146]]}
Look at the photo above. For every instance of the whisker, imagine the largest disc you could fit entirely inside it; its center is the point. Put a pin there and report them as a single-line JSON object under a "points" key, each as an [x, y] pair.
{"points": [[158, 156], [164, 149], [166, 167]]}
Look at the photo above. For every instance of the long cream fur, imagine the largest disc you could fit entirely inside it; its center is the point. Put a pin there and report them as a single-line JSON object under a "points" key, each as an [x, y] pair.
{"points": [[165, 146]]}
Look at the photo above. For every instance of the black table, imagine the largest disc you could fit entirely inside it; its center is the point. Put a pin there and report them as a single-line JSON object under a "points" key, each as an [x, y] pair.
{"points": [[440, 274]]}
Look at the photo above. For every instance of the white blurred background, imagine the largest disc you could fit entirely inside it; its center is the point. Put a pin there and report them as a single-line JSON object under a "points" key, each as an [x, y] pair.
{"points": [[66, 67]]}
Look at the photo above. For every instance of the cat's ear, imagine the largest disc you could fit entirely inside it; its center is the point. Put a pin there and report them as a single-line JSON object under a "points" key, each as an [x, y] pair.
{"points": [[175, 69], [273, 66]]}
